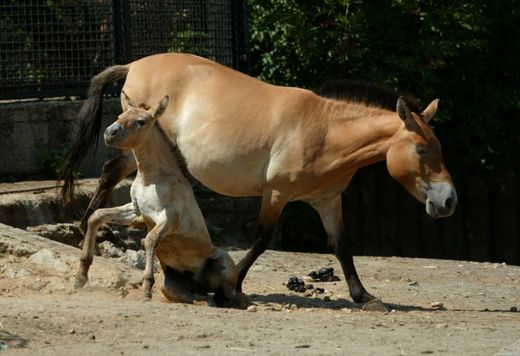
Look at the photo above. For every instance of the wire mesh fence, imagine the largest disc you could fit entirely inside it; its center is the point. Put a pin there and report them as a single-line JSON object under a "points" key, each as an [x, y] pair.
{"points": [[54, 47]]}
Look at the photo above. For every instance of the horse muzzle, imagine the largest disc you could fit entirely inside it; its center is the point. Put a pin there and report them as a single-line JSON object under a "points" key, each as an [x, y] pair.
{"points": [[113, 134], [441, 199]]}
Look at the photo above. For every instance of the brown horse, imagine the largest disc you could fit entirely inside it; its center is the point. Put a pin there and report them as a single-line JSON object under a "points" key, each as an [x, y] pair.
{"points": [[242, 137], [163, 199]]}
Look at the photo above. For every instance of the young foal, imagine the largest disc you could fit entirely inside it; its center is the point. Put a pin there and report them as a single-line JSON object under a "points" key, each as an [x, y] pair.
{"points": [[163, 198]]}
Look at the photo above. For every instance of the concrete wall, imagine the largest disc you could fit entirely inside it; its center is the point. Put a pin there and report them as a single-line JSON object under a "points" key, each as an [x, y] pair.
{"points": [[29, 130]]}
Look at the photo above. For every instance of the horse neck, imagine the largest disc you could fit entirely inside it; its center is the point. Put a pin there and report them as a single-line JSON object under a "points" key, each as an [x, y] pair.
{"points": [[155, 156], [359, 135]]}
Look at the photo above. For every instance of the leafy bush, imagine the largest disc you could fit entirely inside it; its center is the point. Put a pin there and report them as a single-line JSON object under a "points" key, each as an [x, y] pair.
{"points": [[465, 52]]}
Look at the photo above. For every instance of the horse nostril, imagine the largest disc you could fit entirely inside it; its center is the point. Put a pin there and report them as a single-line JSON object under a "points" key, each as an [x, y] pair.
{"points": [[448, 204]]}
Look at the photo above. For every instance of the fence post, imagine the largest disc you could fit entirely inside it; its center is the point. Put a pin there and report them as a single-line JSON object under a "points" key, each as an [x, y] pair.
{"points": [[122, 44], [241, 36]]}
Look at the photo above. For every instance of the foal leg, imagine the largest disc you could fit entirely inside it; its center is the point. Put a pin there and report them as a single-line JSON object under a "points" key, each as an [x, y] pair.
{"points": [[270, 210], [151, 241], [112, 173], [119, 215], [178, 287], [331, 215]]}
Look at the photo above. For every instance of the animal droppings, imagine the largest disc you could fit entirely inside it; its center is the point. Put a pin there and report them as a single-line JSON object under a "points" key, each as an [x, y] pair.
{"points": [[325, 274], [296, 284]]}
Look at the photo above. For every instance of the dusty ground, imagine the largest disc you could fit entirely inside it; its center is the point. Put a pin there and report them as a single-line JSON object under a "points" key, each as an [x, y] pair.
{"points": [[41, 314]]}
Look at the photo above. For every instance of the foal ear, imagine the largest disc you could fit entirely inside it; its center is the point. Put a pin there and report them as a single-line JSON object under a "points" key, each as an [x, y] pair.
{"points": [[126, 101], [404, 112], [430, 110], [160, 108]]}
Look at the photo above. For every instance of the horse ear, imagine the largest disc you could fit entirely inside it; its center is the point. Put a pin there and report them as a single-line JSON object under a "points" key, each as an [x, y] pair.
{"points": [[126, 101], [160, 108], [403, 111], [430, 110]]}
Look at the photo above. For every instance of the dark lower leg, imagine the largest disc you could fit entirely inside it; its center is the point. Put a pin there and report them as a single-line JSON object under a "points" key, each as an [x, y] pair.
{"points": [[263, 237], [343, 252]]}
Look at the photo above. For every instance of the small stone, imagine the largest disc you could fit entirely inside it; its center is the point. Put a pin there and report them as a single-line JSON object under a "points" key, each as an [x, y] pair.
{"points": [[92, 337], [72, 331], [413, 283], [513, 309], [326, 298], [252, 308], [293, 307], [347, 310], [437, 305], [441, 326]]}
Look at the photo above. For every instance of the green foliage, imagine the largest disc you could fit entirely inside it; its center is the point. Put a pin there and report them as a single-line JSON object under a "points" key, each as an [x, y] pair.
{"points": [[51, 160], [465, 52]]}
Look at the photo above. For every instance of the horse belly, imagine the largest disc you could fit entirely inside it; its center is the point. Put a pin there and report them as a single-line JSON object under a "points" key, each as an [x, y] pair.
{"points": [[224, 170]]}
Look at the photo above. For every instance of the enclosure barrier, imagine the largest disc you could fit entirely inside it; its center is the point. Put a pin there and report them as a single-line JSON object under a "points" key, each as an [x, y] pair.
{"points": [[53, 47]]}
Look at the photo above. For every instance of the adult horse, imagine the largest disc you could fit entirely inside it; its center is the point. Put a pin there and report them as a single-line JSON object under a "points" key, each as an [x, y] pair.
{"points": [[243, 137]]}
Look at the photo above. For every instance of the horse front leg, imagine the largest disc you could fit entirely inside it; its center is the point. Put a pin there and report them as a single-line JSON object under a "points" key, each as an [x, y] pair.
{"points": [[113, 172], [331, 215], [270, 210], [123, 215]]}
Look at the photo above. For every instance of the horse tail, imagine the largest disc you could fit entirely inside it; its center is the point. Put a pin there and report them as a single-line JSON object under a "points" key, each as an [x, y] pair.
{"points": [[89, 125]]}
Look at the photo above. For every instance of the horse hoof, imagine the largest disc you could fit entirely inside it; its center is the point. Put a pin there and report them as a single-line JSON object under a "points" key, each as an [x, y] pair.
{"points": [[80, 282], [375, 305], [146, 297]]}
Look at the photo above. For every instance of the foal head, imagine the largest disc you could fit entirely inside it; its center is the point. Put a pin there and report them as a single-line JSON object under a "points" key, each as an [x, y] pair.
{"points": [[415, 160], [132, 126]]}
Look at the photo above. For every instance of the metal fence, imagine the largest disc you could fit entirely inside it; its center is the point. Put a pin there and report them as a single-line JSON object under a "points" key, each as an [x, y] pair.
{"points": [[53, 47]]}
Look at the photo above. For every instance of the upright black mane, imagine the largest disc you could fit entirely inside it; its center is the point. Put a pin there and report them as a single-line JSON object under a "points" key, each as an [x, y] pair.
{"points": [[366, 93]]}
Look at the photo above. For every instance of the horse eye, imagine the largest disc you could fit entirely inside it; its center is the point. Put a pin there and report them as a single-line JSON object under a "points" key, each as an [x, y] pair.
{"points": [[421, 151], [141, 122]]}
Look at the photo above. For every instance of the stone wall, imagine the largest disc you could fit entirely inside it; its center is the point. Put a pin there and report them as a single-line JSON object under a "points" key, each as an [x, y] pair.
{"points": [[31, 131]]}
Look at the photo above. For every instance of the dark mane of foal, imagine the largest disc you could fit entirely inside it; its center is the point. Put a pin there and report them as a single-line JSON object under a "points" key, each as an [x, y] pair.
{"points": [[369, 94], [181, 161]]}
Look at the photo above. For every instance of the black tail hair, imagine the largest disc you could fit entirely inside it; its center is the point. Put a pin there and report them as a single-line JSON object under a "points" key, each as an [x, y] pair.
{"points": [[89, 125]]}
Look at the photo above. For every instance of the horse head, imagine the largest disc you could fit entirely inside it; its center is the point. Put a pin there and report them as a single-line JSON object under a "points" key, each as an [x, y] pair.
{"points": [[415, 160], [132, 126]]}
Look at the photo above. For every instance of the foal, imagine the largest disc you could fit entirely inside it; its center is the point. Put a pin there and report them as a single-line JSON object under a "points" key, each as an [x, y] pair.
{"points": [[163, 199]]}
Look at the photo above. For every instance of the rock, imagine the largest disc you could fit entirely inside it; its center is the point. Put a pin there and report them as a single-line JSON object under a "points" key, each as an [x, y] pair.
{"points": [[513, 309], [68, 234], [441, 326], [136, 259], [251, 308], [49, 259], [108, 249], [437, 305]]}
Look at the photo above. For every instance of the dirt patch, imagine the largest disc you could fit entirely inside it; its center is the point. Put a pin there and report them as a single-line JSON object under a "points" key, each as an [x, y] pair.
{"points": [[438, 307]]}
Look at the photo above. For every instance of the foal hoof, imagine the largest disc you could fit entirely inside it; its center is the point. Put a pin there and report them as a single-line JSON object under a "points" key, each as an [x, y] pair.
{"points": [[375, 305], [80, 282], [146, 297]]}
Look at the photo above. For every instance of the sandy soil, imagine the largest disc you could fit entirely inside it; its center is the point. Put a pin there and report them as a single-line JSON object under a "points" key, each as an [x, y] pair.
{"points": [[41, 314]]}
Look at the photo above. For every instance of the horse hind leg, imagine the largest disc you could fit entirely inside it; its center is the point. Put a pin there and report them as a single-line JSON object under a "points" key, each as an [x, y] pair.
{"points": [[178, 287], [113, 171]]}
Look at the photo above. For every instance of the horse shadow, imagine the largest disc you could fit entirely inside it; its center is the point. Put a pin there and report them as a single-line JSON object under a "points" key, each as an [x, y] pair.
{"points": [[319, 303]]}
